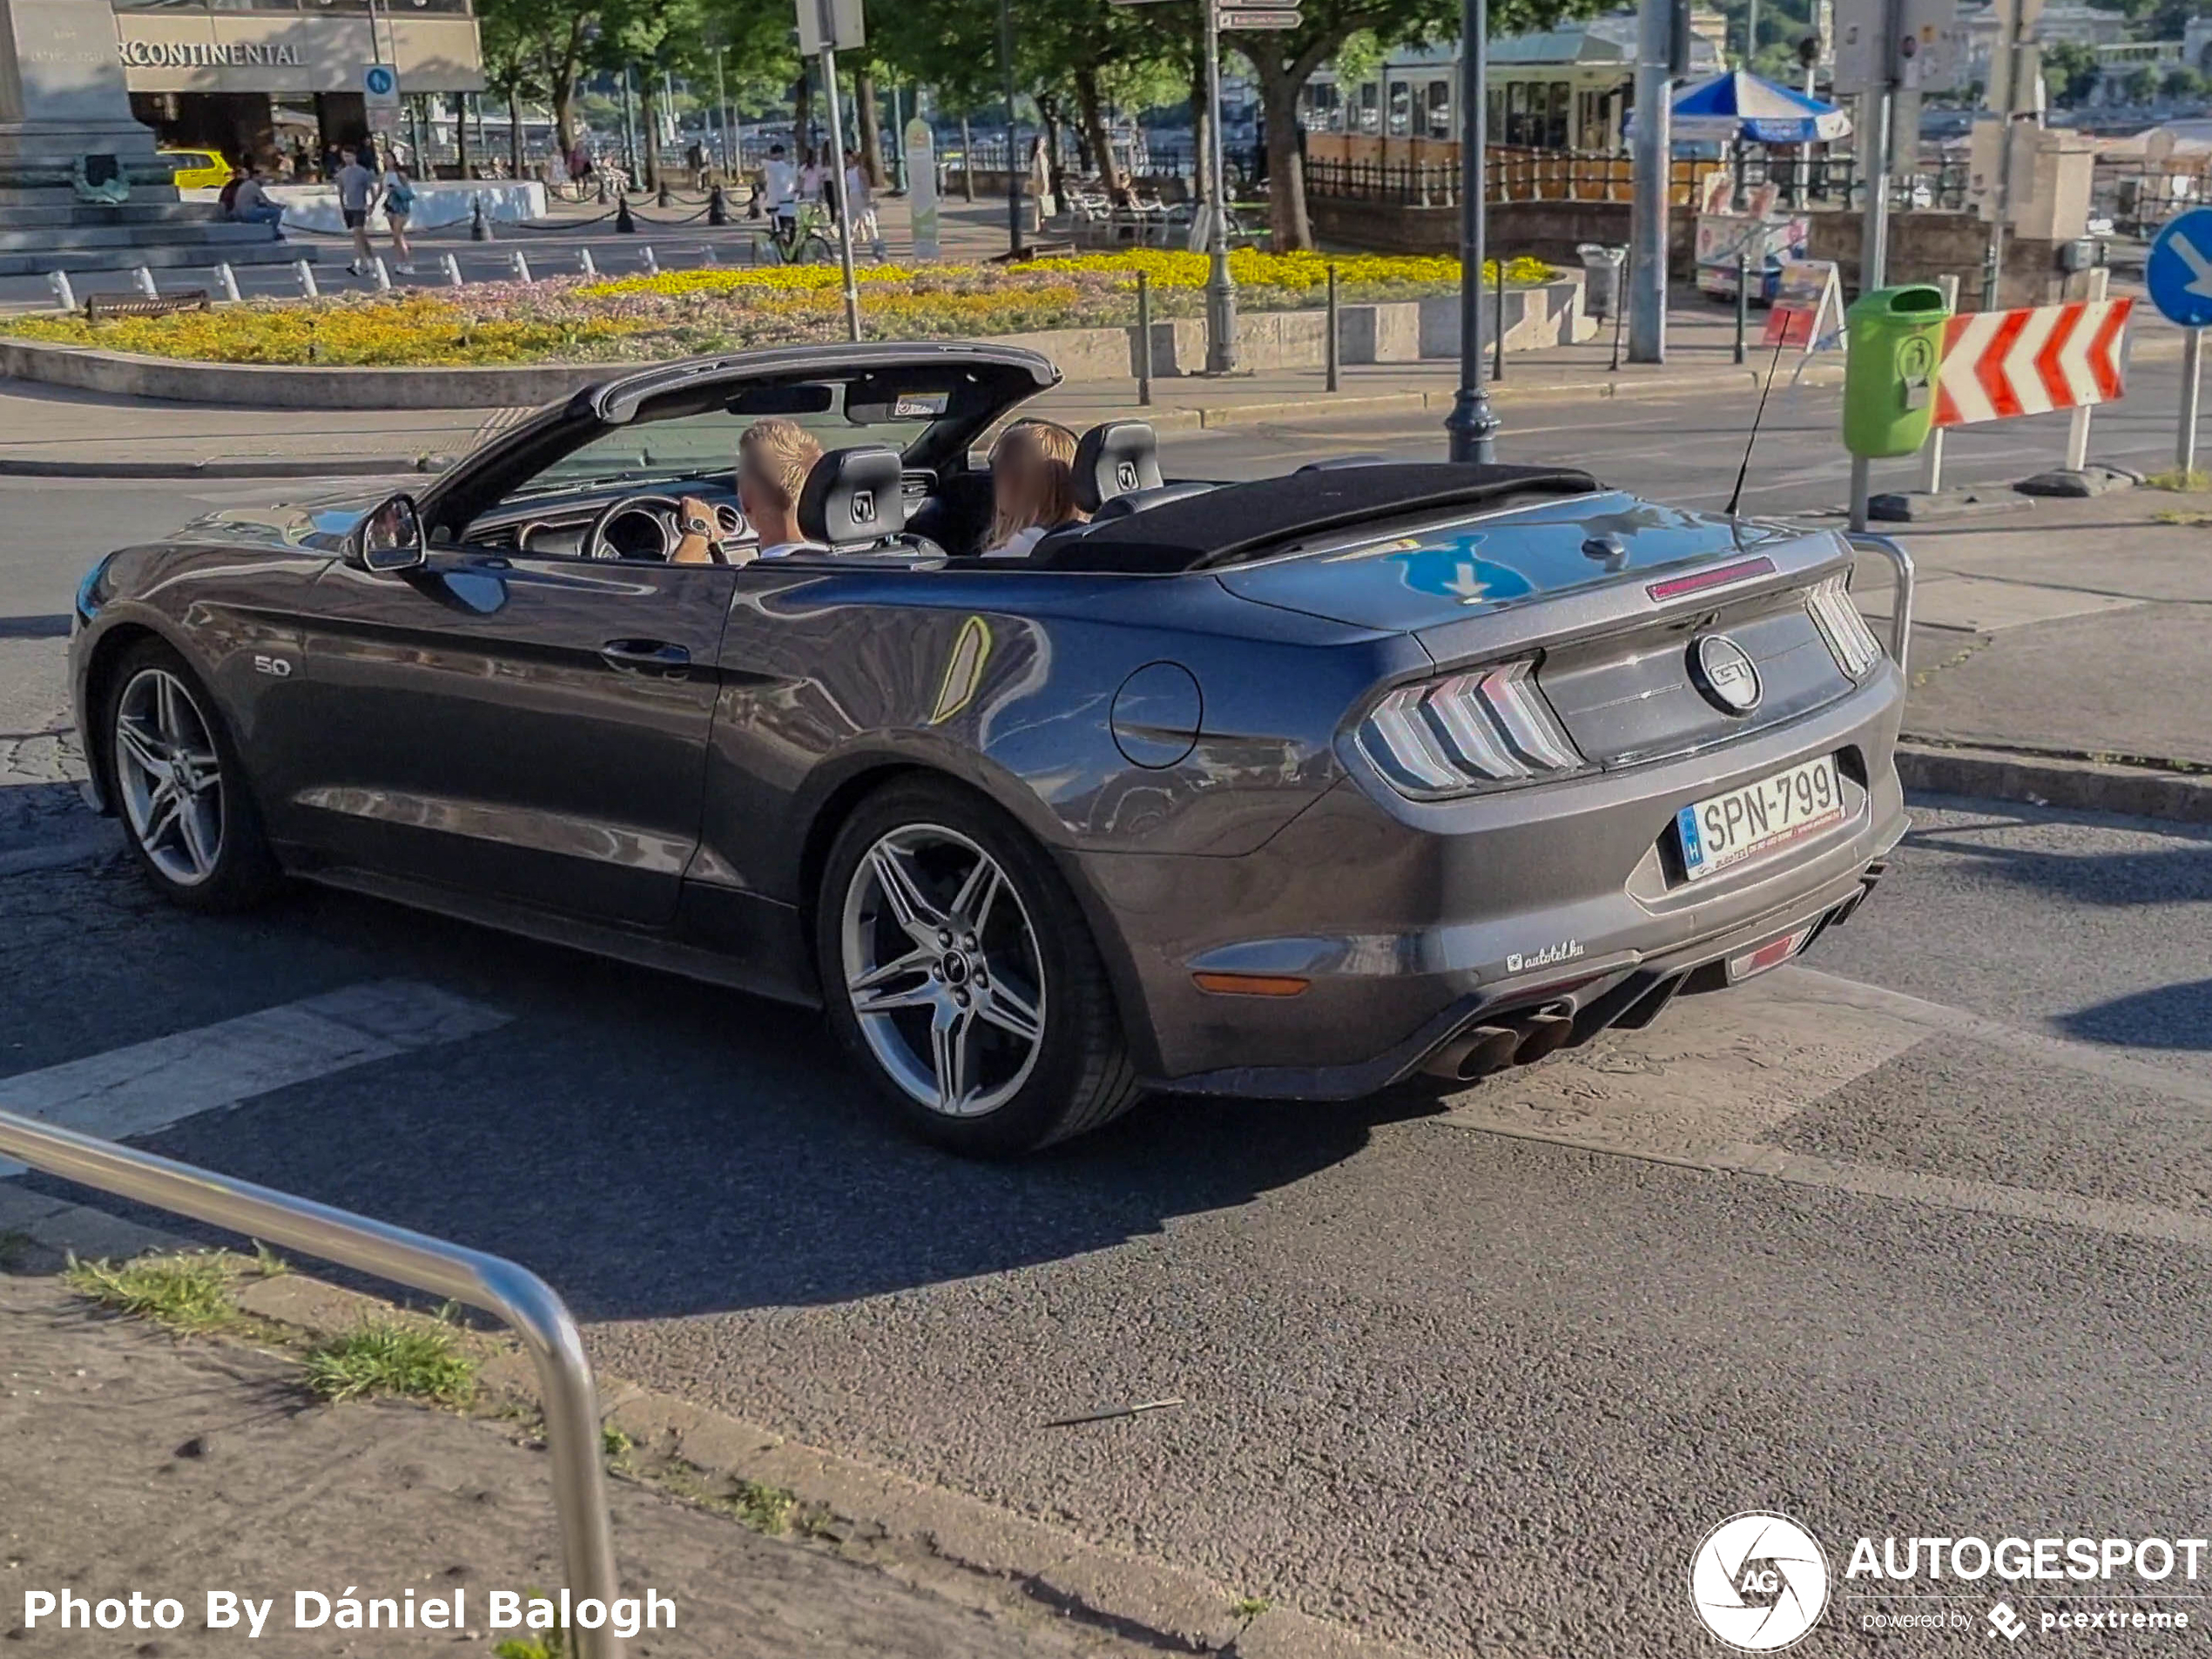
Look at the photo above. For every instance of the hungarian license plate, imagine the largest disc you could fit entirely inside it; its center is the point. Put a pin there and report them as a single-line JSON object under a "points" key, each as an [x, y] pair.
{"points": [[1723, 830]]}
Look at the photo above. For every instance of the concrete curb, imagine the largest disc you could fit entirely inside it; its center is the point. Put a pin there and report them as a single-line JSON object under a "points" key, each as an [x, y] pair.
{"points": [[272, 467], [973, 1552], [2075, 782]]}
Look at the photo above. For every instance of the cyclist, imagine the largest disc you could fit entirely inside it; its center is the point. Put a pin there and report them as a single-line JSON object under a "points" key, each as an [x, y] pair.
{"points": [[779, 190]]}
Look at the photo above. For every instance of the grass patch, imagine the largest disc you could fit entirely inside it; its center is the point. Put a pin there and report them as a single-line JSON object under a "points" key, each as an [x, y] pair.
{"points": [[2178, 515], [2175, 479], [187, 1290], [616, 1444], [1248, 1608], [409, 1362]]}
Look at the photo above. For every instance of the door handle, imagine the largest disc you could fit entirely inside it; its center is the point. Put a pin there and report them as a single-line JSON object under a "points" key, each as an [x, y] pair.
{"points": [[645, 657]]}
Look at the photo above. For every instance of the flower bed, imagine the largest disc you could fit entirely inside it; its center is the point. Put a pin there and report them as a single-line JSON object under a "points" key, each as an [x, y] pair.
{"points": [[678, 313]]}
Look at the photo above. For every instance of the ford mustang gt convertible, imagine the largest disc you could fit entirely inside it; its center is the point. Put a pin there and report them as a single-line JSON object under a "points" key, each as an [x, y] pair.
{"points": [[1288, 788]]}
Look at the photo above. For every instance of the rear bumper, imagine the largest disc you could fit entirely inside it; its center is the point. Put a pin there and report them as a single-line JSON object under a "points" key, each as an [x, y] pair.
{"points": [[1413, 923]]}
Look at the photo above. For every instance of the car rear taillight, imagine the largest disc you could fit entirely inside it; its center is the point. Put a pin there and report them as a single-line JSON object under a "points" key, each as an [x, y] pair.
{"points": [[1849, 641], [1467, 733]]}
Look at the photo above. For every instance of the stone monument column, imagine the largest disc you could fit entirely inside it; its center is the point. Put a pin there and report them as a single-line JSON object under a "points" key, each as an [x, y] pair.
{"points": [[63, 98]]}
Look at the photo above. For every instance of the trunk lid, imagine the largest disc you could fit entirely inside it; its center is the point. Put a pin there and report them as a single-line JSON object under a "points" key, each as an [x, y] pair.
{"points": [[1485, 563]]}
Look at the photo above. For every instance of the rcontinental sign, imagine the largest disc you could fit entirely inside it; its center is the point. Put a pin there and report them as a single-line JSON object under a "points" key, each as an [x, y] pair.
{"points": [[207, 54]]}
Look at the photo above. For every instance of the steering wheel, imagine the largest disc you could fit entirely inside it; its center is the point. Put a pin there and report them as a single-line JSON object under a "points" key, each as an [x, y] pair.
{"points": [[596, 545]]}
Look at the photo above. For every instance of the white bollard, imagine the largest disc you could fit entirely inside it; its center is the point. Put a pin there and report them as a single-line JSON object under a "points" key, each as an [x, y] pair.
{"points": [[65, 296], [651, 264], [707, 255], [2077, 435], [453, 271], [522, 266], [380, 274], [306, 273], [226, 279], [584, 262], [144, 279]]}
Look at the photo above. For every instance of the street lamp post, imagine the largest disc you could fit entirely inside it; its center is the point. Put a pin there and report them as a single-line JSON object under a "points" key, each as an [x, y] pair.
{"points": [[722, 112], [1472, 426], [1012, 131], [1221, 290]]}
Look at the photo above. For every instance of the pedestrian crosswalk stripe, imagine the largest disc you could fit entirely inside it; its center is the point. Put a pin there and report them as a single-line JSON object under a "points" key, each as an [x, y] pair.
{"points": [[148, 1086]]}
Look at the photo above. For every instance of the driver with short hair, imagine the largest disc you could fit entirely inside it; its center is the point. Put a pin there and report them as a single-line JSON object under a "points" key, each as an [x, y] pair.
{"points": [[774, 456]]}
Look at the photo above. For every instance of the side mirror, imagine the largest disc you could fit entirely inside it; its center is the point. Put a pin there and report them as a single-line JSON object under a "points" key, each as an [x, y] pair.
{"points": [[390, 538]]}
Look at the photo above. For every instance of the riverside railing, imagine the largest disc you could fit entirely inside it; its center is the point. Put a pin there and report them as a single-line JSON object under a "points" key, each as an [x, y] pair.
{"points": [[514, 1294]]}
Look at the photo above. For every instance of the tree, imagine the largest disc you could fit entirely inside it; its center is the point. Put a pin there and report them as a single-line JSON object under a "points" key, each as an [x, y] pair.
{"points": [[511, 72], [651, 38], [542, 44], [1284, 61], [2140, 86], [2069, 70]]}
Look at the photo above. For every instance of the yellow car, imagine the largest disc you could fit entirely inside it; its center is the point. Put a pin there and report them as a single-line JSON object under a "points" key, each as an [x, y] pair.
{"points": [[199, 169]]}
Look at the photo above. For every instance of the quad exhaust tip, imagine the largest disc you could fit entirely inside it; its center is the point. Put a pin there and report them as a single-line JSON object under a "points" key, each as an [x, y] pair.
{"points": [[1515, 1039]]}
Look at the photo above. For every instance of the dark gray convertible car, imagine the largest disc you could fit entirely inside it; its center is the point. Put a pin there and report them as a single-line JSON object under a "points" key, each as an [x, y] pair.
{"points": [[1286, 788]]}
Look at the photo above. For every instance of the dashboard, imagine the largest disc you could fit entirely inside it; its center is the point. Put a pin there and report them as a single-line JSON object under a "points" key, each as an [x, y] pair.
{"points": [[641, 518]]}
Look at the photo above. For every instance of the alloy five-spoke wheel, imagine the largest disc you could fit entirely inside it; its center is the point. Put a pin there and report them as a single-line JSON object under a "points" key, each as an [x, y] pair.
{"points": [[170, 776], [961, 971], [942, 964]]}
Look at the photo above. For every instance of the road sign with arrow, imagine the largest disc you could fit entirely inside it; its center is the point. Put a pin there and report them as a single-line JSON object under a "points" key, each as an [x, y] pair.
{"points": [[2178, 272]]}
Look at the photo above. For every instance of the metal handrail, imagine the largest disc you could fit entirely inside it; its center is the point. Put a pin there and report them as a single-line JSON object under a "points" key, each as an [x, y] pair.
{"points": [[510, 1292], [1901, 608]]}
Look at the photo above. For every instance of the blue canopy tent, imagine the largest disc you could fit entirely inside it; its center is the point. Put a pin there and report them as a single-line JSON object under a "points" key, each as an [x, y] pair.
{"points": [[1740, 108], [1735, 108]]}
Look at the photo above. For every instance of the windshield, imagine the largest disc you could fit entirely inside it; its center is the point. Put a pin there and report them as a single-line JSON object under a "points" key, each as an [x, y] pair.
{"points": [[701, 445]]}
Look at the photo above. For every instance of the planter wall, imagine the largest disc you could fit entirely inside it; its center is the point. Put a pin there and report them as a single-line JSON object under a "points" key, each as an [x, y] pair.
{"points": [[1399, 331]]}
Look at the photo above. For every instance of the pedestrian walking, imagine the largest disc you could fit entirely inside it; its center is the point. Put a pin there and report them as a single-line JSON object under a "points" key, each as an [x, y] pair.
{"points": [[356, 184], [862, 202], [398, 206]]}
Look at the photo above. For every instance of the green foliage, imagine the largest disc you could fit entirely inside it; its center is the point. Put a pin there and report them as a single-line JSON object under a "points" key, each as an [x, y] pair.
{"points": [[411, 1361], [2069, 70], [187, 1290]]}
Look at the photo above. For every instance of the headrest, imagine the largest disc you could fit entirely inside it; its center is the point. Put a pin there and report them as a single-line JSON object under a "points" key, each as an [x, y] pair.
{"points": [[1113, 459], [852, 498]]}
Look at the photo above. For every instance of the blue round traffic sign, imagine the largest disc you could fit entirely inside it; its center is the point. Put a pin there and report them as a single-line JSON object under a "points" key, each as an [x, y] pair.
{"points": [[2179, 271], [379, 80]]}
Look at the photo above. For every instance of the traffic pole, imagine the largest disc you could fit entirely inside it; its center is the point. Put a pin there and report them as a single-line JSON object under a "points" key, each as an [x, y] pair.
{"points": [[1221, 292], [2192, 387], [1472, 425], [2077, 435], [1144, 338], [1743, 299], [844, 196], [1332, 351]]}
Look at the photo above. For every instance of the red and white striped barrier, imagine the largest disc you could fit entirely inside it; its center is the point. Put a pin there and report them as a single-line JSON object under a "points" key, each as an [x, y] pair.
{"points": [[1999, 364]]}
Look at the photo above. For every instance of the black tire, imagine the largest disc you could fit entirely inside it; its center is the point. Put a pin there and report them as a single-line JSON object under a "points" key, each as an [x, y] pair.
{"points": [[243, 872], [1081, 1077]]}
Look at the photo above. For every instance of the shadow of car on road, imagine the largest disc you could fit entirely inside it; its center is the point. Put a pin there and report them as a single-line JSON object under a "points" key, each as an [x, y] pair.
{"points": [[658, 1148]]}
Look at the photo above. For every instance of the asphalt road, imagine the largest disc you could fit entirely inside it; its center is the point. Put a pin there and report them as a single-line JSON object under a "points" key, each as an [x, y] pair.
{"points": [[1909, 1240], [1687, 449]]}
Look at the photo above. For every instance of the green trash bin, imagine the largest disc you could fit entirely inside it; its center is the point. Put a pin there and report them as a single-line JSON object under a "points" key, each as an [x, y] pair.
{"points": [[1894, 346]]}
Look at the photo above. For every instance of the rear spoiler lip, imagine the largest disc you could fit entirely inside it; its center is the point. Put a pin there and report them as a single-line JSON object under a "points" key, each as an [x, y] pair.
{"points": [[1624, 604]]}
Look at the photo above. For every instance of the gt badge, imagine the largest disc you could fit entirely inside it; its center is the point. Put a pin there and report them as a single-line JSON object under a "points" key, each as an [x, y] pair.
{"points": [[1723, 671]]}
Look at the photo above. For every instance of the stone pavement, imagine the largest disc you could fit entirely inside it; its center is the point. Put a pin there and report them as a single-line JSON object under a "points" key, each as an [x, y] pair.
{"points": [[131, 1461], [2061, 652]]}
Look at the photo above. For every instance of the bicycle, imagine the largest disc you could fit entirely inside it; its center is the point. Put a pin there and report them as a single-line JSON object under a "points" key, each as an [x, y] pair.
{"points": [[801, 240]]}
